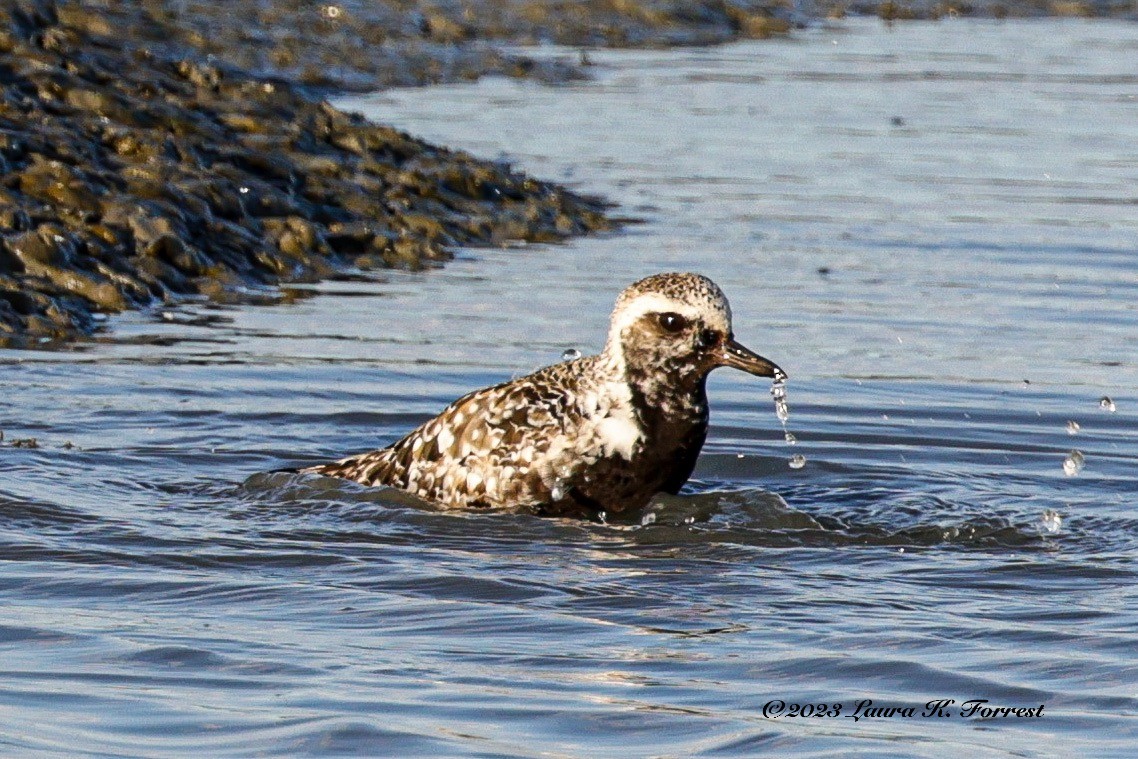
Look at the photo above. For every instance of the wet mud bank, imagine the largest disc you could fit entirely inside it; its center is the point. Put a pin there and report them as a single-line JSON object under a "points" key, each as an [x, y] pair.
{"points": [[131, 177]]}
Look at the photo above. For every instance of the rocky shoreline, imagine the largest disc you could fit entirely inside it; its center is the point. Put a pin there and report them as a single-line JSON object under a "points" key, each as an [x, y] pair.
{"points": [[130, 178], [152, 150]]}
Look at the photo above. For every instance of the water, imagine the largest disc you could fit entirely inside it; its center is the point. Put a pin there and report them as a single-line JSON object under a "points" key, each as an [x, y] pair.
{"points": [[931, 228]]}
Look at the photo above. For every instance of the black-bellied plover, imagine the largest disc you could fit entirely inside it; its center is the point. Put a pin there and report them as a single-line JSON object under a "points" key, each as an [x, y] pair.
{"points": [[592, 434]]}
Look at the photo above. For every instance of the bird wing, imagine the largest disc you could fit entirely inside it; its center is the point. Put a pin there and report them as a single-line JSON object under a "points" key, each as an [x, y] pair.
{"points": [[480, 450]]}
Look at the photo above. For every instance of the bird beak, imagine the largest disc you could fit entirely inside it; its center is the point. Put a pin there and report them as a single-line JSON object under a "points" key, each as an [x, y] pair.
{"points": [[739, 356]]}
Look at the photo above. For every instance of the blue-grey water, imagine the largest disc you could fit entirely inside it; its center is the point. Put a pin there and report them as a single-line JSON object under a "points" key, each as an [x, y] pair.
{"points": [[933, 228]]}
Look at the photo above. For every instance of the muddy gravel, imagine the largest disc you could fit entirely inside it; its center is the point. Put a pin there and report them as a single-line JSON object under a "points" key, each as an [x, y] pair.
{"points": [[129, 179]]}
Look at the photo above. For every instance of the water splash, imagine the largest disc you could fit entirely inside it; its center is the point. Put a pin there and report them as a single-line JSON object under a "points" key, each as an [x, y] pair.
{"points": [[557, 492], [1050, 521], [778, 392], [1107, 404], [1072, 427], [1074, 463], [782, 411], [570, 354]]}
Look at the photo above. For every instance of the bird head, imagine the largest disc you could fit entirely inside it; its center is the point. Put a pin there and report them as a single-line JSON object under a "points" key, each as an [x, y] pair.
{"points": [[674, 329]]}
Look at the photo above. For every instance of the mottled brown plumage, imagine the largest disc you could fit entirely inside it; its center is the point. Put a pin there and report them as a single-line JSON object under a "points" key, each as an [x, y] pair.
{"points": [[599, 433]]}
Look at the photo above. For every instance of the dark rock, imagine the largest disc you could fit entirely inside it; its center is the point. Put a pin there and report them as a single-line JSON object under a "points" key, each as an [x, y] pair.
{"points": [[43, 247], [57, 183]]}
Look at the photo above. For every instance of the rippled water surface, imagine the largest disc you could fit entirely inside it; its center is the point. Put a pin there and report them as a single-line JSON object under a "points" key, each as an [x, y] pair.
{"points": [[932, 228]]}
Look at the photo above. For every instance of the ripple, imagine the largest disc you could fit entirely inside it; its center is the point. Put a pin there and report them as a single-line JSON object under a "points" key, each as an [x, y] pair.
{"points": [[165, 594]]}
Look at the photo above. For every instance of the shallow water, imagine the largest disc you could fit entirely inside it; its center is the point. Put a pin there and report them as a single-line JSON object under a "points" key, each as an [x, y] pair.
{"points": [[931, 228]]}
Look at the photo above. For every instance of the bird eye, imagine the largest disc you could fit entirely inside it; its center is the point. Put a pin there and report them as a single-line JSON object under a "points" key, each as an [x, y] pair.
{"points": [[672, 322], [709, 338]]}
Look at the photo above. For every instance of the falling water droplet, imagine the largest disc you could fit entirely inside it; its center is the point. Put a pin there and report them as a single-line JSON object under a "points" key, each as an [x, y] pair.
{"points": [[557, 492], [1050, 521], [1073, 464], [1072, 427], [782, 411], [571, 354], [778, 392], [1107, 404]]}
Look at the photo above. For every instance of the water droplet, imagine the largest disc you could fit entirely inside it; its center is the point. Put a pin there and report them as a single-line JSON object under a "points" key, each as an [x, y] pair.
{"points": [[1050, 521], [557, 492], [243, 190], [738, 455], [782, 411], [1072, 427], [1107, 404], [797, 461], [778, 392], [571, 354], [1074, 463], [332, 11], [647, 519], [689, 520]]}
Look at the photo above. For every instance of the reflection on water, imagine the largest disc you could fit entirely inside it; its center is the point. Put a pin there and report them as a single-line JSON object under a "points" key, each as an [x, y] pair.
{"points": [[931, 227]]}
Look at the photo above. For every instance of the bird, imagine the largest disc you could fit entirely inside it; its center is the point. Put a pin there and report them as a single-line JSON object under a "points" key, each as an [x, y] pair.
{"points": [[585, 437]]}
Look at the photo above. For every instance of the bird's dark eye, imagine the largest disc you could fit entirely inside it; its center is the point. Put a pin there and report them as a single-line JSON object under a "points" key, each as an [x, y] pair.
{"points": [[672, 322], [709, 338]]}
